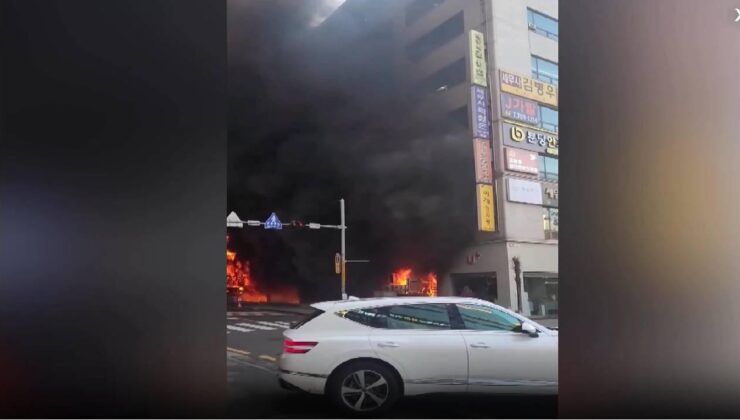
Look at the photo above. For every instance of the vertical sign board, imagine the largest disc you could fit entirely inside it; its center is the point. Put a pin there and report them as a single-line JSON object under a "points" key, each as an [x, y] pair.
{"points": [[520, 109], [478, 70], [486, 213], [481, 118], [483, 168]]}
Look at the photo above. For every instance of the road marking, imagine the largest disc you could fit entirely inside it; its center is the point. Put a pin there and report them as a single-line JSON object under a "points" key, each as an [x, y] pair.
{"points": [[260, 327], [274, 324], [231, 327], [236, 359], [242, 352], [266, 357]]}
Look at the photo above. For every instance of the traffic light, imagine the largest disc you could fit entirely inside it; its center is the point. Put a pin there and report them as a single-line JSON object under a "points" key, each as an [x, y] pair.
{"points": [[297, 224]]}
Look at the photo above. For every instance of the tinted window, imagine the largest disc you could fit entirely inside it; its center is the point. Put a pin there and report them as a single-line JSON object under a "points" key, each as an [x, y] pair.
{"points": [[437, 37], [544, 70], [479, 317], [447, 77], [543, 25], [548, 118], [307, 318], [366, 316], [424, 316], [418, 8]]}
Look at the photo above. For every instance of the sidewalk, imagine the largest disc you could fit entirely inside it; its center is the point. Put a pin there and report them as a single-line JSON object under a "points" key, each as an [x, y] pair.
{"points": [[548, 322]]}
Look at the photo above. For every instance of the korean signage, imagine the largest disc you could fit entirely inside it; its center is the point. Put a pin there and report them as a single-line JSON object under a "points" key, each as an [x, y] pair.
{"points": [[483, 169], [478, 70], [529, 88], [481, 119], [486, 213], [520, 109], [521, 161], [549, 195], [523, 191], [530, 139]]}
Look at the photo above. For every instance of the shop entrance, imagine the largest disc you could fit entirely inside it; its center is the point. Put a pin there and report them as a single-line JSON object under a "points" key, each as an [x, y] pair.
{"points": [[540, 296], [479, 285]]}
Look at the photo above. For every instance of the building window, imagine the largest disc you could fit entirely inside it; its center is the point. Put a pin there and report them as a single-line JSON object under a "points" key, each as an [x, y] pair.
{"points": [[550, 219], [443, 79], [418, 8], [542, 24], [459, 117], [541, 290], [548, 168], [544, 70], [548, 118], [442, 34]]}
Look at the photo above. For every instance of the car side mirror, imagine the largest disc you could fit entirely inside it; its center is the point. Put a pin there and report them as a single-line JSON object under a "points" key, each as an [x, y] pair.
{"points": [[529, 329]]}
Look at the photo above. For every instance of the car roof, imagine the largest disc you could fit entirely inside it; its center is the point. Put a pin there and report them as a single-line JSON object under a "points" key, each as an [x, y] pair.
{"points": [[337, 305]]}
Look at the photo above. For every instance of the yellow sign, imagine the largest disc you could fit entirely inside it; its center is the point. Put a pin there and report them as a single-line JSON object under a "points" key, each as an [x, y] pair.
{"points": [[337, 263], [478, 72], [527, 87], [486, 213]]}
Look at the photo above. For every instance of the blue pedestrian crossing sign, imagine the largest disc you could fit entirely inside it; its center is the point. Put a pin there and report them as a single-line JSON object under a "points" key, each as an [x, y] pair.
{"points": [[273, 222]]}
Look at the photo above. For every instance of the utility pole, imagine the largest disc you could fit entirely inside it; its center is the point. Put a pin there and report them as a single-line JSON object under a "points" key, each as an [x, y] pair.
{"points": [[343, 228]]}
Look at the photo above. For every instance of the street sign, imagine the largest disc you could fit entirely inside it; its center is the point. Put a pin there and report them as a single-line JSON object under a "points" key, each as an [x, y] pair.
{"points": [[273, 222], [337, 263], [232, 220]]}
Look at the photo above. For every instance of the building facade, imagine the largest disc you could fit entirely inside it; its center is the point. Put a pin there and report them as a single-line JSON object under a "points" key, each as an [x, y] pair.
{"points": [[493, 66]]}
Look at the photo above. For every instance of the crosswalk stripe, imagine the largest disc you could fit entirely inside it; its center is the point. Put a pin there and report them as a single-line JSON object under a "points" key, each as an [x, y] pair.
{"points": [[231, 327], [261, 327], [274, 324]]}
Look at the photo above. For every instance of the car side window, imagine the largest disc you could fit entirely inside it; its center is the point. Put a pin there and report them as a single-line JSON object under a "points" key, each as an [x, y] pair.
{"points": [[480, 317], [428, 316], [372, 317]]}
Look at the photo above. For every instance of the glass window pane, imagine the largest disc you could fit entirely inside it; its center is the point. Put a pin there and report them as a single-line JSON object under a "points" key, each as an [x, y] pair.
{"points": [[549, 118], [371, 317], [425, 316], [552, 168], [479, 317]]}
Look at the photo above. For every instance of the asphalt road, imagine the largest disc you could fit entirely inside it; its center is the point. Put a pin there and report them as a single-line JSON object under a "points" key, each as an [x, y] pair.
{"points": [[254, 341]]}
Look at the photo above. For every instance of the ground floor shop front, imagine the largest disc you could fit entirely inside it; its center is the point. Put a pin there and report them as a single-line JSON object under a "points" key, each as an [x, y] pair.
{"points": [[489, 272]]}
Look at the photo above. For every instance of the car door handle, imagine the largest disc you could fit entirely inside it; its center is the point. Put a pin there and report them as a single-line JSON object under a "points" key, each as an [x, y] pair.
{"points": [[387, 344], [479, 346]]}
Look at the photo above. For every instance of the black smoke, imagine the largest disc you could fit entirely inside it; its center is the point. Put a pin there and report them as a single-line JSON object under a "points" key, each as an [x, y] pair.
{"points": [[316, 115]]}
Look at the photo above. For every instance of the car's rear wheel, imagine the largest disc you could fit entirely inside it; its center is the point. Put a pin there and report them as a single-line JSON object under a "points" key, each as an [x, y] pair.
{"points": [[364, 388]]}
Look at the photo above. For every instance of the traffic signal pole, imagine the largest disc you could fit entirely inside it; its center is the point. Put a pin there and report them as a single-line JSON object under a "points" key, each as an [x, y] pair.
{"points": [[233, 220]]}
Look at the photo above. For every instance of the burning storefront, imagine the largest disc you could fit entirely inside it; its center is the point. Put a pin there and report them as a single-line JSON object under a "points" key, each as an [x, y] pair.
{"points": [[241, 287], [404, 282]]}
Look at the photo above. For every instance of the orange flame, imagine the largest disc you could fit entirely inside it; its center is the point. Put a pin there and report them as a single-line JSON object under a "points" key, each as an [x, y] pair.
{"points": [[401, 277], [238, 276], [405, 283]]}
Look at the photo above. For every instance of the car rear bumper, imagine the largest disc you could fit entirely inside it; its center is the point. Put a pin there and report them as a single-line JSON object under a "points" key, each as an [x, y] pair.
{"points": [[306, 382]]}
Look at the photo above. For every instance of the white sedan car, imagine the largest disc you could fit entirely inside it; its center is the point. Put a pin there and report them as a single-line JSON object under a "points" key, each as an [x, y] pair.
{"points": [[367, 353]]}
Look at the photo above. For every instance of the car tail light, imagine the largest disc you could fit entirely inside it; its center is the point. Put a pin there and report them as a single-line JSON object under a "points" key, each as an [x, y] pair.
{"points": [[290, 346]]}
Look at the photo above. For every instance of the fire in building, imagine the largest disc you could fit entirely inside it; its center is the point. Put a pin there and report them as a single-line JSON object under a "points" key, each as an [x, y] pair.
{"points": [[404, 282], [242, 287]]}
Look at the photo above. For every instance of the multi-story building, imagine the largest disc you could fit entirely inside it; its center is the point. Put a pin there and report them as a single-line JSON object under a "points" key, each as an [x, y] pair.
{"points": [[493, 66]]}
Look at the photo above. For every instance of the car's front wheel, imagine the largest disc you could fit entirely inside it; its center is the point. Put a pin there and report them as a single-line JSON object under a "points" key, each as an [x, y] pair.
{"points": [[364, 388]]}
